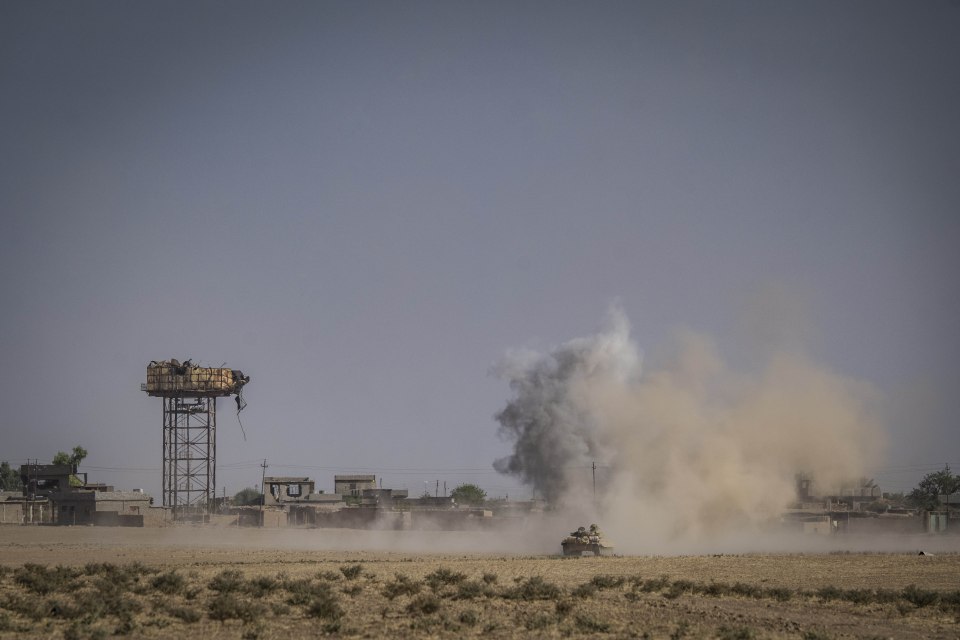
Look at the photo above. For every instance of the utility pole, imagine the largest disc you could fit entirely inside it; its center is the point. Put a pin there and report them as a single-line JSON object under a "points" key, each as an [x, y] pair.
{"points": [[594, 479], [436, 494], [263, 490]]}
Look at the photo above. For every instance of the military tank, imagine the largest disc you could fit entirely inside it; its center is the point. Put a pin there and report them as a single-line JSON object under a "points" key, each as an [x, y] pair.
{"points": [[586, 542]]}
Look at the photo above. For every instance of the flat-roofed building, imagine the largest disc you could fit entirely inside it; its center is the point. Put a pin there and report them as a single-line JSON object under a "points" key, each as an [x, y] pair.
{"points": [[354, 485]]}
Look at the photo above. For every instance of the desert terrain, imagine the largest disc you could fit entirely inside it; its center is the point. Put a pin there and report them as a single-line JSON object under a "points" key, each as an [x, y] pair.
{"points": [[176, 582]]}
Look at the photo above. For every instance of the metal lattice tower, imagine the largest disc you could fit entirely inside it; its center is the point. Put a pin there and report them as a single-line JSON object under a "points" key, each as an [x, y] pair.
{"points": [[190, 429], [189, 452]]}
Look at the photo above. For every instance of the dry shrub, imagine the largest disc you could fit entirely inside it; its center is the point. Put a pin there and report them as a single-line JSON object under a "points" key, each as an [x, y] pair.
{"points": [[737, 633], [260, 586], [829, 593], [537, 621], [444, 576], [170, 583], [42, 581], [589, 624], [187, 614], [780, 594], [425, 603], [683, 628], [950, 600], [304, 592], [469, 617], [585, 590], [746, 590], [678, 588], [920, 597], [352, 571], [325, 604], [227, 581], [716, 589], [402, 585], [80, 631], [654, 584], [227, 605], [607, 582], [533, 588], [471, 589]]}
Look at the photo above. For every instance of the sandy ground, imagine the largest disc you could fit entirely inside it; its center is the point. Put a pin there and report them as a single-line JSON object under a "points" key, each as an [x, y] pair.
{"points": [[200, 554]]}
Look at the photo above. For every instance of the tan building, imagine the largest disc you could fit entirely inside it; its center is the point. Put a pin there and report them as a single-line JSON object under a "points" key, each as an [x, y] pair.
{"points": [[108, 508], [285, 489], [354, 485]]}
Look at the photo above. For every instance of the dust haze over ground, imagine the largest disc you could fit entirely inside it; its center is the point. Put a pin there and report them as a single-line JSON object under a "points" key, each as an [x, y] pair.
{"points": [[695, 454]]}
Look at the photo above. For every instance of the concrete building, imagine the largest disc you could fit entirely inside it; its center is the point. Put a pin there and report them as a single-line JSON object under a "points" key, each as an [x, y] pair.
{"points": [[109, 508], [286, 489], [43, 480], [353, 485]]}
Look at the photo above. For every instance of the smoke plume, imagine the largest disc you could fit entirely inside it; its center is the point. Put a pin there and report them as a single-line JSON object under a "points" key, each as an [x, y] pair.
{"points": [[689, 448]]}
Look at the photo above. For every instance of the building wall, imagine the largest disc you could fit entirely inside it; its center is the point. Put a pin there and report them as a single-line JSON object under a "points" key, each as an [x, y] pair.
{"points": [[900, 526], [353, 485], [83, 507], [11, 513], [283, 491]]}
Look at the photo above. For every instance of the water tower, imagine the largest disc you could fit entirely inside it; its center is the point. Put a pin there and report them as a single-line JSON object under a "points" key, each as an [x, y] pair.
{"points": [[190, 395]]}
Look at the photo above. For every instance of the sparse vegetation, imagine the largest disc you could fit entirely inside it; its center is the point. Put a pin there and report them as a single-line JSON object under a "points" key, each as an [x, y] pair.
{"points": [[470, 589], [227, 581], [533, 588], [103, 600], [401, 586], [589, 624], [444, 576], [920, 597], [351, 572], [607, 582], [170, 583], [425, 603], [324, 603], [735, 633]]}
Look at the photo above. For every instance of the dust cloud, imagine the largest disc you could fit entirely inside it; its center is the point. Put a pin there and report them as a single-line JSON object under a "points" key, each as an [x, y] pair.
{"points": [[690, 452]]}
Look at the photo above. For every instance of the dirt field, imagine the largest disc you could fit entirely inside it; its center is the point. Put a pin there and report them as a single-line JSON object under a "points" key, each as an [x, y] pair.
{"points": [[195, 582]]}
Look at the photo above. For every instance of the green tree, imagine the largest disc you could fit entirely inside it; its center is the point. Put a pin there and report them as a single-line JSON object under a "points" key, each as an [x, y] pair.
{"points": [[73, 459], [9, 478], [469, 494], [934, 484], [246, 497]]}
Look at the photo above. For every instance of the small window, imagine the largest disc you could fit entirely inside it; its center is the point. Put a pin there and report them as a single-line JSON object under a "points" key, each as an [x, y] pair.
{"points": [[293, 490]]}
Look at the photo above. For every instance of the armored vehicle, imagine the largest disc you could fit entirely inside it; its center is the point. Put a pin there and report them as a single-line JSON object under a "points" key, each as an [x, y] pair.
{"points": [[586, 542]]}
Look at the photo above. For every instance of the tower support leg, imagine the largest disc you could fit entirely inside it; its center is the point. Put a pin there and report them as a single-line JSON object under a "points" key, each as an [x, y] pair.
{"points": [[189, 454]]}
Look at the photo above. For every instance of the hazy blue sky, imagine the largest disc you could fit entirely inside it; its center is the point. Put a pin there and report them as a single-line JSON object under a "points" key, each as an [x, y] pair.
{"points": [[364, 204]]}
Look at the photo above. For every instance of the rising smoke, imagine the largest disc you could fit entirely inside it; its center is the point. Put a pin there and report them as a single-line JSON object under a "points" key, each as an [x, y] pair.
{"points": [[688, 448]]}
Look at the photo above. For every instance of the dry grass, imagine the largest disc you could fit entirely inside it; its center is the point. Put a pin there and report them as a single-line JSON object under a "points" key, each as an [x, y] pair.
{"points": [[291, 594]]}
